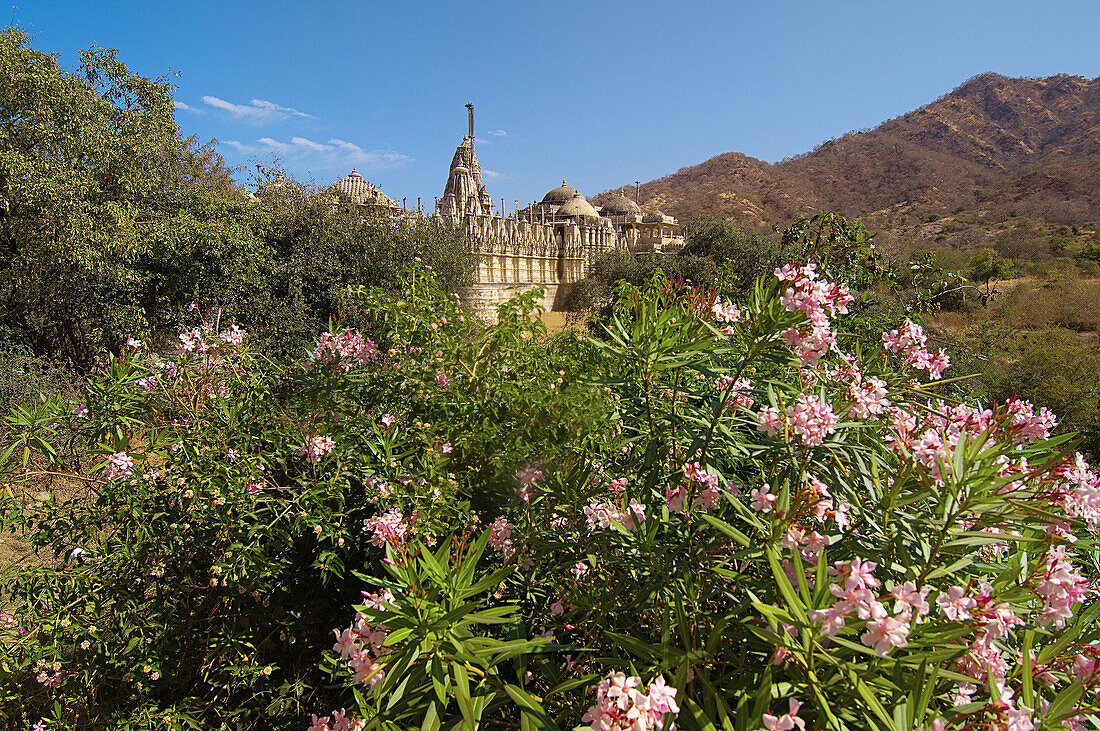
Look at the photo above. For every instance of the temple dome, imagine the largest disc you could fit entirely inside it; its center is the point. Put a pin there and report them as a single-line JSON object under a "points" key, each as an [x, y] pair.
{"points": [[654, 217], [278, 187], [560, 195], [577, 206], [620, 205], [355, 189]]}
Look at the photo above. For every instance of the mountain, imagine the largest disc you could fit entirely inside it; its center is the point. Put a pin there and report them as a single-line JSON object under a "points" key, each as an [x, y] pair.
{"points": [[992, 150]]}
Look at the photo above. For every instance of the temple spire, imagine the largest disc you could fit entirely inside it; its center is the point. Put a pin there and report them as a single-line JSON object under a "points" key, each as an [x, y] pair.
{"points": [[470, 110]]}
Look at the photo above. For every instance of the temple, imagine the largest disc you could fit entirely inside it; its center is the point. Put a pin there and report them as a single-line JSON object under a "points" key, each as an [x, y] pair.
{"points": [[551, 242]]}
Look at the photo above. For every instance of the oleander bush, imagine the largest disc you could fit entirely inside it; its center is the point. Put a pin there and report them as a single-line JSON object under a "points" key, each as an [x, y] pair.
{"points": [[719, 513]]}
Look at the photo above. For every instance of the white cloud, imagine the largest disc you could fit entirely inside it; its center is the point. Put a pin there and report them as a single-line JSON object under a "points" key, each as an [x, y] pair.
{"points": [[185, 107], [497, 133], [258, 110], [331, 154], [492, 174]]}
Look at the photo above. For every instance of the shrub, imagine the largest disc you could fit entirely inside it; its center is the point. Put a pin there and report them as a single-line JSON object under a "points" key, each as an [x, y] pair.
{"points": [[720, 514]]}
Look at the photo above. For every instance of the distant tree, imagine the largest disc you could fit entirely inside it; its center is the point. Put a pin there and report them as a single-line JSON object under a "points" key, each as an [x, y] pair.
{"points": [[112, 223], [595, 292], [319, 247], [985, 267], [749, 254]]}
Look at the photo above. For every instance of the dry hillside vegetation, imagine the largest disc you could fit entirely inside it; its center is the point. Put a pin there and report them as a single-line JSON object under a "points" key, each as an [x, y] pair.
{"points": [[992, 153]]}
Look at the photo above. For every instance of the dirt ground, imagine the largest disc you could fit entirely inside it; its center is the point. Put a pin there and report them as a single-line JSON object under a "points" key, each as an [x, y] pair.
{"points": [[14, 550]]}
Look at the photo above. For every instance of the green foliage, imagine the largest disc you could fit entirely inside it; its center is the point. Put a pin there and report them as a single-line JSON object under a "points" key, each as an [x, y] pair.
{"points": [[106, 214], [986, 267], [749, 256], [206, 584], [596, 291], [112, 224], [319, 248], [1048, 370]]}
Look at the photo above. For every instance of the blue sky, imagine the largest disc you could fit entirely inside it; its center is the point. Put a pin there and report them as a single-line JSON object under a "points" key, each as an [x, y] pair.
{"points": [[601, 94]]}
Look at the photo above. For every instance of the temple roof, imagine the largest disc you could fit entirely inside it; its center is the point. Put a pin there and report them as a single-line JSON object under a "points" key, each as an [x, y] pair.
{"points": [[620, 205], [577, 206], [560, 194], [354, 189]]}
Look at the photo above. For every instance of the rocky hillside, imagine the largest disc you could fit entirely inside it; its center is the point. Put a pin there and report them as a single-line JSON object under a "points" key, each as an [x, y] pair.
{"points": [[992, 150]]}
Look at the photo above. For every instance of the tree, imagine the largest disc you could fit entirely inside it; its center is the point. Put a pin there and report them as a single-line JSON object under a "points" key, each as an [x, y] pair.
{"points": [[985, 267], [751, 255], [110, 221]]}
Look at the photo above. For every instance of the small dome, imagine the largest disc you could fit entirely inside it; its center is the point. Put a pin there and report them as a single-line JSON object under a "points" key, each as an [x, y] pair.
{"points": [[354, 189], [577, 206], [560, 195], [278, 186], [654, 217], [620, 205]]}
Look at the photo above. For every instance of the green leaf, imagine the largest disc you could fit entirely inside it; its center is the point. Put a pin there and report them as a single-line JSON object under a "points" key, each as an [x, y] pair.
{"points": [[462, 693], [728, 529], [530, 705]]}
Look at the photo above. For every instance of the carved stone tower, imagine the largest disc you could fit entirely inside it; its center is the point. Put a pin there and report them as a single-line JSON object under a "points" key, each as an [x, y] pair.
{"points": [[465, 193]]}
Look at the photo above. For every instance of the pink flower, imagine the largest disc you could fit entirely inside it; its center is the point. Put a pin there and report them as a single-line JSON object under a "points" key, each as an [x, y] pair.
{"points": [[954, 604], [907, 598], [529, 475], [868, 397], [1060, 587], [388, 421], [390, 527], [857, 574], [118, 465], [725, 311], [622, 706], [446, 448], [763, 499], [499, 538], [811, 419], [787, 721], [343, 350], [770, 421], [579, 569], [908, 335], [234, 335], [315, 448], [885, 633]]}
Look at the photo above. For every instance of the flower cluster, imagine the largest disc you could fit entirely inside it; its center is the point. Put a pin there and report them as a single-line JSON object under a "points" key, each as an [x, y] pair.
{"points": [[739, 390], [316, 448], [787, 721], [603, 514], [812, 419], [868, 396], [818, 300], [343, 350], [910, 340], [854, 597], [705, 487], [1060, 587], [363, 645], [339, 721], [620, 705], [203, 340], [726, 313], [500, 537], [389, 528], [118, 465]]}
